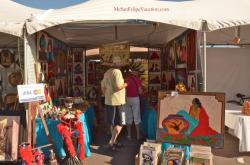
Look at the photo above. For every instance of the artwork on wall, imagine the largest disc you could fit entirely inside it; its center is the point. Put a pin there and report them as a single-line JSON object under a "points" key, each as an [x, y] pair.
{"points": [[92, 93], [191, 82], [6, 58], [191, 118], [171, 80], [78, 71], [50, 48], [191, 50], [115, 52], [171, 55], [181, 75], [9, 133], [42, 41], [181, 51]]}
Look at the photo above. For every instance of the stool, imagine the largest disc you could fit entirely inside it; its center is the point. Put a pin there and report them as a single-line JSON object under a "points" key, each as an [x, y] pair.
{"points": [[201, 154]]}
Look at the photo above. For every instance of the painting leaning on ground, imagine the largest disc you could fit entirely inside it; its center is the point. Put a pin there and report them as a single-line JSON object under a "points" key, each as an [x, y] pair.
{"points": [[191, 118]]}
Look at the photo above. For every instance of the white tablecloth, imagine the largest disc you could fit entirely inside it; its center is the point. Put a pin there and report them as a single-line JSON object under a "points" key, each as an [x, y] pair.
{"points": [[239, 126]]}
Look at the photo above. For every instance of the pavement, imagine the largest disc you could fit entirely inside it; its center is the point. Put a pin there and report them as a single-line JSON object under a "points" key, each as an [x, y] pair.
{"points": [[229, 155]]}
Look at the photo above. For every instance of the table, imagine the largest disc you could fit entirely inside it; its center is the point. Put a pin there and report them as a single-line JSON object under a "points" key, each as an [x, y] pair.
{"points": [[41, 138], [239, 126]]}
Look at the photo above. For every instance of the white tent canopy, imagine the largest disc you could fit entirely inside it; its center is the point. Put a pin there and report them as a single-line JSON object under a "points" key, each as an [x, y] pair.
{"points": [[13, 17], [196, 14]]}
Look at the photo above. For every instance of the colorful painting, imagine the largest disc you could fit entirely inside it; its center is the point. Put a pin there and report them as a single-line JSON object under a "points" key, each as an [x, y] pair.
{"points": [[171, 55], [42, 43], [191, 118], [112, 53], [9, 133], [181, 76], [154, 66], [148, 156], [191, 82], [171, 80], [6, 58], [191, 50], [173, 156], [181, 51]]}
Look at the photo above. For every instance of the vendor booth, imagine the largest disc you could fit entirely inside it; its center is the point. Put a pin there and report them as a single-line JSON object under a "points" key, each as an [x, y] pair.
{"points": [[55, 45]]}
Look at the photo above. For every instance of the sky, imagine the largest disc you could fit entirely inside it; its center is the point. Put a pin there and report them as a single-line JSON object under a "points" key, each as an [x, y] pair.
{"points": [[54, 4], [48, 4]]}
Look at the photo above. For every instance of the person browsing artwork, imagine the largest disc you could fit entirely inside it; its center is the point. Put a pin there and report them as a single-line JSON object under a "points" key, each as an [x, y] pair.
{"points": [[133, 90], [113, 87]]}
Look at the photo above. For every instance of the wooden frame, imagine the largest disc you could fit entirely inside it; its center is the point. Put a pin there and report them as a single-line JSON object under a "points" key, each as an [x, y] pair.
{"points": [[212, 103], [191, 82], [9, 135]]}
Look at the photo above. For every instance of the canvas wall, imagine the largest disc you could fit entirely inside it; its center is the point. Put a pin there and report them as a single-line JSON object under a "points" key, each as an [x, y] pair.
{"points": [[228, 71]]}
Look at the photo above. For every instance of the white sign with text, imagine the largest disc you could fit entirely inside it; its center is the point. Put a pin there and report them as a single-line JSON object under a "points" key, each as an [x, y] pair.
{"points": [[30, 92]]}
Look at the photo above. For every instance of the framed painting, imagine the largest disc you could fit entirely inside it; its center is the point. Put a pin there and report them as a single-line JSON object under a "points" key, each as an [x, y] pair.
{"points": [[115, 53], [191, 82], [42, 43], [181, 51], [171, 55], [148, 155], [191, 50], [181, 75], [9, 135], [171, 80], [191, 118]]}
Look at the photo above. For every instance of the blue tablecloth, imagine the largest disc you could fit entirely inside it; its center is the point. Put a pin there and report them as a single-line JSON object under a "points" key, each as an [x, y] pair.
{"points": [[148, 124], [86, 118]]}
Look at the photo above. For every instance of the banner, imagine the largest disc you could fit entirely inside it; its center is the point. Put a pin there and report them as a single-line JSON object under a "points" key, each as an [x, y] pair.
{"points": [[30, 92]]}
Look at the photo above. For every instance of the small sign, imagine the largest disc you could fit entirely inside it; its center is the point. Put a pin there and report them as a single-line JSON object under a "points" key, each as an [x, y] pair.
{"points": [[174, 93], [30, 92]]}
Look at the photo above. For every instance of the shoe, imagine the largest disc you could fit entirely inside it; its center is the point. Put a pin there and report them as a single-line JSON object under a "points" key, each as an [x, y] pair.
{"points": [[113, 148], [119, 145]]}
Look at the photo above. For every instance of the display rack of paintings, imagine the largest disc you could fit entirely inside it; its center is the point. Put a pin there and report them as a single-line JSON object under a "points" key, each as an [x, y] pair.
{"points": [[70, 73], [54, 64], [91, 79], [154, 73], [79, 71], [95, 72], [11, 75], [181, 61]]}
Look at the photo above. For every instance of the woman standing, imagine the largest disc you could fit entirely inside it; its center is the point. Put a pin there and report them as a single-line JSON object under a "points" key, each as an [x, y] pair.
{"points": [[133, 90]]}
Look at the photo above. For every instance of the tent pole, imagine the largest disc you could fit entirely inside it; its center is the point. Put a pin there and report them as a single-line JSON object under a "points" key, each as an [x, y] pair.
{"points": [[25, 42], [205, 61]]}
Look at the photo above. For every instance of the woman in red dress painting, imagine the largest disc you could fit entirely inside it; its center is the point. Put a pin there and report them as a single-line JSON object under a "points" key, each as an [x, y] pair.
{"points": [[198, 112]]}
